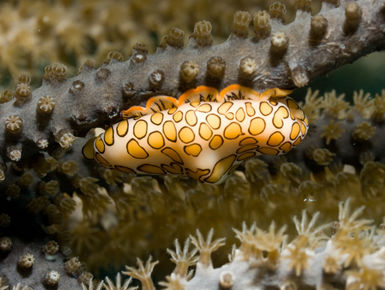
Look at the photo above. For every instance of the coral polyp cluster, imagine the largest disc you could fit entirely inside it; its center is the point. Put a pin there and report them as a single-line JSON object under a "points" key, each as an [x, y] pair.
{"points": [[349, 256], [352, 257], [30, 265], [96, 95], [39, 32], [36, 33]]}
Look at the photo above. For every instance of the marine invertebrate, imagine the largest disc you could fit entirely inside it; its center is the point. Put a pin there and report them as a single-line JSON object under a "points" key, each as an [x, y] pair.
{"points": [[38, 32], [118, 284], [51, 278], [81, 203], [26, 262], [204, 134], [143, 273], [287, 56], [26, 266], [303, 262], [264, 190], [33, 270], [86, 207]]}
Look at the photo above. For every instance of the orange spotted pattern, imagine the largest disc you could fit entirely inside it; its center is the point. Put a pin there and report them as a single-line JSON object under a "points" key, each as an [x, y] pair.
{"points": [[204, 133]]}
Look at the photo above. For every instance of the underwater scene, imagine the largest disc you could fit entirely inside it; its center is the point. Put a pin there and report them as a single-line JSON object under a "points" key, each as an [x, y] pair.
{"points": [[192, 144]]}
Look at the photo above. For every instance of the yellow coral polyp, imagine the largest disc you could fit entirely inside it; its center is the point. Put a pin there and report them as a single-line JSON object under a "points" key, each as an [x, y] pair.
{"points": [[204, 134]]}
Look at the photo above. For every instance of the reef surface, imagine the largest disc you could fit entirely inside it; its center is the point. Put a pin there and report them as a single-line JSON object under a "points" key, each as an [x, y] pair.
{"points": [[106, 218]]}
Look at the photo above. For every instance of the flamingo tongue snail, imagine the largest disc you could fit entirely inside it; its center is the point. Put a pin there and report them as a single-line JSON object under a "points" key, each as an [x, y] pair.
{"points": [[204, 133]]}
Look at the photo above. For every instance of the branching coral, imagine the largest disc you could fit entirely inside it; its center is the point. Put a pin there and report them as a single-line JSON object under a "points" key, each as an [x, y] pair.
{"points": [[38, 32], [124, 209], [287, 57], [107, 217]]}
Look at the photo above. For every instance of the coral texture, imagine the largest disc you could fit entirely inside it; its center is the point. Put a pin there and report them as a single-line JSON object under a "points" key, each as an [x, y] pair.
{"points": [[25, 263], [285, 56], [105, 218], [47, 269], [352, 257]]}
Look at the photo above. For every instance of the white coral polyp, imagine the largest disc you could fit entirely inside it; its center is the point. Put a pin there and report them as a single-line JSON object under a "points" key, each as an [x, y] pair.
{"points": [[66, 140]]}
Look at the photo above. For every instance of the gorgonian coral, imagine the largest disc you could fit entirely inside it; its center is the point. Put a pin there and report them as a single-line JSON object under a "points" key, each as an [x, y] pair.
{"points": [[352, 256], [276, 55], [97, 213]]}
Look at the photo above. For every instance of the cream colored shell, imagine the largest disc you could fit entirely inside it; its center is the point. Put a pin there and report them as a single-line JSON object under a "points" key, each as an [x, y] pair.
{"points": [[205, 140]]}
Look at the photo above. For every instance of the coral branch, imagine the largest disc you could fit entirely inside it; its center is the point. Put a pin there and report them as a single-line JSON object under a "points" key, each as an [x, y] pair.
{"points": [[278, 55]]}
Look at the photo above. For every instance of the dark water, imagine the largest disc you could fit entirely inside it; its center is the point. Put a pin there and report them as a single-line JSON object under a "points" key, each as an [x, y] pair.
{"points": [[367, 73]]}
